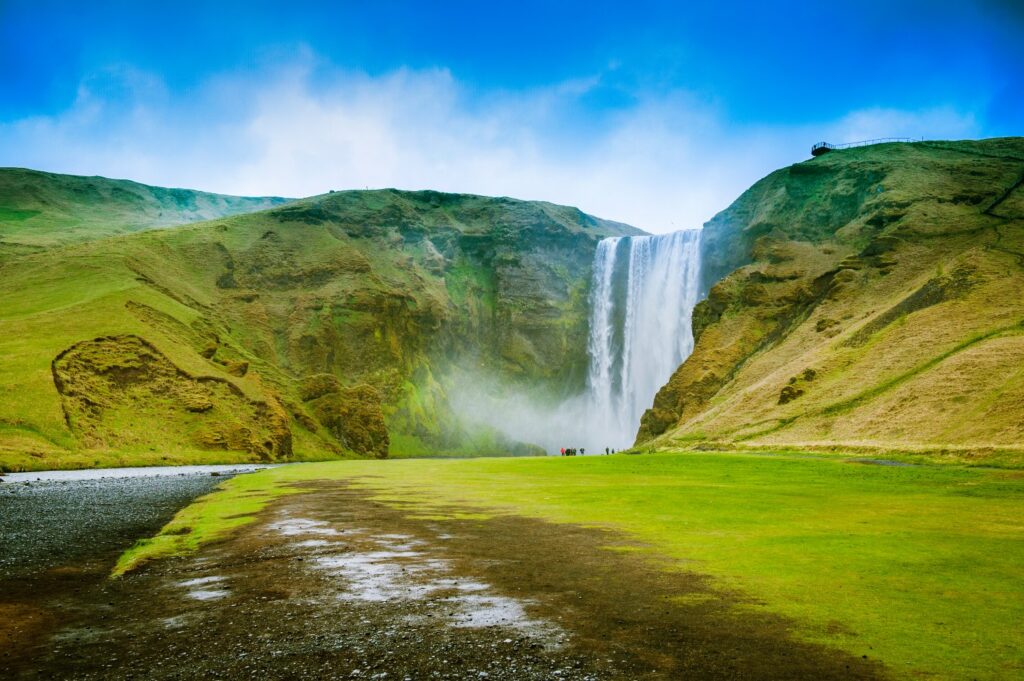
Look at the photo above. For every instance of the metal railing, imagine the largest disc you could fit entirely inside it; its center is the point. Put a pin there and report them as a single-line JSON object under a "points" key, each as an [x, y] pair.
{"points": [[822, 147]]}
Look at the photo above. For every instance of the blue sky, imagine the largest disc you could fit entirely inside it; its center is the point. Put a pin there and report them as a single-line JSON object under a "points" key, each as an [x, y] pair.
{"points": [[653, 113]]}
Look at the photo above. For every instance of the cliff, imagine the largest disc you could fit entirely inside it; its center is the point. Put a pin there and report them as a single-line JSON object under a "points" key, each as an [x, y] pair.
{"points": [[868, 299], [328, 326]]}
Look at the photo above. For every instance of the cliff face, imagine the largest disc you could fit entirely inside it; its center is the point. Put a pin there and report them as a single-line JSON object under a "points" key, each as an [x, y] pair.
{"points": [[871, 297], [343, 316]]}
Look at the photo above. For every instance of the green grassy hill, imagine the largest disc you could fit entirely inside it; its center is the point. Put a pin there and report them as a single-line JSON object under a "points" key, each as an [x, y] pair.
{"points": [[326, 327], [871, 298], [39, 210]]}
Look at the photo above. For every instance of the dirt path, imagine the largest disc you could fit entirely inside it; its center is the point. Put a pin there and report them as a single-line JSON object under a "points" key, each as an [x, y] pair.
{"points": [[333, 585]]}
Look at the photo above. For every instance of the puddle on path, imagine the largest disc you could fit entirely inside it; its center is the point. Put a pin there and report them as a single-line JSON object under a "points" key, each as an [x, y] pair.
{"points": [[208, 588], [334, 585], [291, 527], [395, 568]]}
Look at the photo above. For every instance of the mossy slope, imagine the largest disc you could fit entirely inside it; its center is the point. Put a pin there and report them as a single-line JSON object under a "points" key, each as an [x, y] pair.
{"points": [[870, 298], [325, 327]]}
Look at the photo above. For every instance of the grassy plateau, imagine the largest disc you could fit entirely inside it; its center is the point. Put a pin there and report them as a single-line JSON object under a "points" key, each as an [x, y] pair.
{"points": [[919, 566]]}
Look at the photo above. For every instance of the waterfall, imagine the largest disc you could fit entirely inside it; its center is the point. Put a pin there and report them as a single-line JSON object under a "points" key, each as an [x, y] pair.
{"points": [[642, 297]]}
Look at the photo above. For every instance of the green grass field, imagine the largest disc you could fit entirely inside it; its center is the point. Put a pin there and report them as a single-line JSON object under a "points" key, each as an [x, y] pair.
{"points": [[919, 566]]}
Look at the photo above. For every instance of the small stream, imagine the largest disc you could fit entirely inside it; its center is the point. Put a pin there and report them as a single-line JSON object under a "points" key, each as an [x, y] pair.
{"points": [[66, 519], [135, 472]]}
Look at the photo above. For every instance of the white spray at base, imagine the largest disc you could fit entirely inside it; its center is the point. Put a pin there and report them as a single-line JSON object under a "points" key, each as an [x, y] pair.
{"points": [[642, 297]]}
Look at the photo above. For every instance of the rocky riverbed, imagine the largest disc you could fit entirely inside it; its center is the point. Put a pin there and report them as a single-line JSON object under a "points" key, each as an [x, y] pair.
{"points": [[56, 518], [60, 532]]}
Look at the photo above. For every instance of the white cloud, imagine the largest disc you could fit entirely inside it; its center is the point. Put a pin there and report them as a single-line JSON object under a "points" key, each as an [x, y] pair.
{"points": [[666, 162], [876, 123]]}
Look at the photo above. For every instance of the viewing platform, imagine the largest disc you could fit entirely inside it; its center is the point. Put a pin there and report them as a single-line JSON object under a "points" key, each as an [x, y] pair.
{"points": [[825, 147]]}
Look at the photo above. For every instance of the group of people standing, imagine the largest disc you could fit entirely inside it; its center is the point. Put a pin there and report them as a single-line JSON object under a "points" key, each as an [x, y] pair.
{"points": [[572, 451]]}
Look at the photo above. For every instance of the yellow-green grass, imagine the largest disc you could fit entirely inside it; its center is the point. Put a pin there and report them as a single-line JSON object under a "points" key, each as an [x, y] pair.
{"points": [[919, 566], [985, 457], [875, 306], [51, 303], [47, 309]]}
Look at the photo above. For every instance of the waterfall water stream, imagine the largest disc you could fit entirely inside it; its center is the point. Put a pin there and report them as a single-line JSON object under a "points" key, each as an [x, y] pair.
{"points": [[642, 297]]}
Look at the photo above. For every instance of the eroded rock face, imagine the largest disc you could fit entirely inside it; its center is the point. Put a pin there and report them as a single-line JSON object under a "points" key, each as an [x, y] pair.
{"points": [[353, 415], [122, 392]]}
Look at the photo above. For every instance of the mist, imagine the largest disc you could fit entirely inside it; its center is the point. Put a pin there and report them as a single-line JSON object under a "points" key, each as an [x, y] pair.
{"points": [[529, 418]]}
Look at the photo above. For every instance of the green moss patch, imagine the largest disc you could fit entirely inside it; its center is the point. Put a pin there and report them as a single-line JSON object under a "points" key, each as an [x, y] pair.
{"points": [[234, 504]]}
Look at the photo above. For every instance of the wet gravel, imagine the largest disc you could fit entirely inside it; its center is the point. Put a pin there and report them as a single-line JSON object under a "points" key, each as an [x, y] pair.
{"points": [[47, 524]]}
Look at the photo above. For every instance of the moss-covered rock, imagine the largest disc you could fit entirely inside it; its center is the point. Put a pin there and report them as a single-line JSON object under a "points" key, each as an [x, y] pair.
{"points": [[353, 415], [395, 289], [118, 391]]}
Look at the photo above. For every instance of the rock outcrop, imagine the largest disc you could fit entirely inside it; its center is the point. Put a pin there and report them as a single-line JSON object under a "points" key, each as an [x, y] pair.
{"points": [[118, 390]]}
